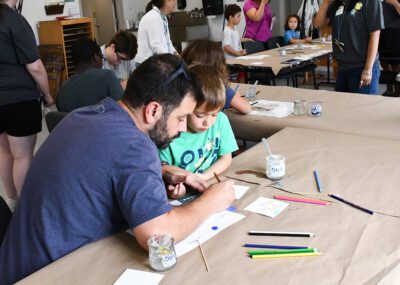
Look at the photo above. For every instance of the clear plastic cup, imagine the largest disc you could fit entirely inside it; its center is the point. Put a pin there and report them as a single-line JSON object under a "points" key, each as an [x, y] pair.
{"points": [[162, 254]]}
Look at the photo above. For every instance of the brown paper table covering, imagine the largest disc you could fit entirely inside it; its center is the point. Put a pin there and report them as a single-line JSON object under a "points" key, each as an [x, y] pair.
{"points": [[366, 115], [358, 248], [274, 60]]}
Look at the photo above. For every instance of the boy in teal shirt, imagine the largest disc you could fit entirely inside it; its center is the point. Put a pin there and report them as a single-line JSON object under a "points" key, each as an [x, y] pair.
{"points": [[208, 144]]}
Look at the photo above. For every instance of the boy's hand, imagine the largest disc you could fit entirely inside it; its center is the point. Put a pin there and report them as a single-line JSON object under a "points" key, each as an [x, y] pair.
{"points": [[190, 179], [243, 52], [246, 40], [176, 191], [309, 40]]}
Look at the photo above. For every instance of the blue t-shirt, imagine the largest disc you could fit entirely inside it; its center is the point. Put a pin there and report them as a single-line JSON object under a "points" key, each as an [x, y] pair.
{"points": [[289, 35], [95, 175], [230, 93]]}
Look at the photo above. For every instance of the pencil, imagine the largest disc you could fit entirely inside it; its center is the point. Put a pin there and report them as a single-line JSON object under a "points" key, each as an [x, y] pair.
{"points": [[237, 87], [282, 234], [204, 257], [216, 177], [351, 204], [274, 246], [265, 252], [317, 181], [302, 200], [286, 255]]}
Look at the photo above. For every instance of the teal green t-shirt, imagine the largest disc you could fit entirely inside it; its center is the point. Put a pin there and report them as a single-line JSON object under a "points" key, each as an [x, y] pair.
{"points": [[196, 152]]}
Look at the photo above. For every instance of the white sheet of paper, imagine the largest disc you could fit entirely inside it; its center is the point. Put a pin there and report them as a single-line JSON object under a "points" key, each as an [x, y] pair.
{"points": [[256, 63], [250, 57], [240, 190], [275, 109], [209, 228], [131, 276], [267, 207]]}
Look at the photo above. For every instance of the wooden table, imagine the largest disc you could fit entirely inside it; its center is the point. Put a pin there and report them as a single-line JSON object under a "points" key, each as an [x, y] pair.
{"points": [[358, 248], [366, 115]]}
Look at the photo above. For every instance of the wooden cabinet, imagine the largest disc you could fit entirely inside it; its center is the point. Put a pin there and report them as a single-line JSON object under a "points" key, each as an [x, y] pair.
{"points": [[64, 33]]}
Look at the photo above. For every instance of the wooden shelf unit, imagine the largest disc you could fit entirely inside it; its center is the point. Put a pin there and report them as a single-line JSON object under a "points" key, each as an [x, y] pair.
{"points": [[65, 33]]}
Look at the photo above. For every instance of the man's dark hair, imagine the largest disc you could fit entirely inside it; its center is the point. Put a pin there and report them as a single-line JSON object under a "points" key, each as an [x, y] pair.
{"points": [[126, 43], [298, 28], [157, 3], [232, 10], [145, 84], [84, 50]]}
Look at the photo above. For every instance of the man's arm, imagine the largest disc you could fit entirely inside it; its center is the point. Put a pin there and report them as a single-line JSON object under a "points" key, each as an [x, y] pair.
{"points": [[183, 220], [321, 18]]}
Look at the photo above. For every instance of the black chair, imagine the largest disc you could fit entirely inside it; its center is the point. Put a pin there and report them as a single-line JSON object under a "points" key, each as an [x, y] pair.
{"points": [[253, 47], [53, 118], [5, 217], [274, 42], [390, 77]]}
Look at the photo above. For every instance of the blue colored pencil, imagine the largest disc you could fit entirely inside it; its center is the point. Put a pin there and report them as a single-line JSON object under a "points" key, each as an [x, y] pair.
{"points": [[317, 181], [274, 246]]}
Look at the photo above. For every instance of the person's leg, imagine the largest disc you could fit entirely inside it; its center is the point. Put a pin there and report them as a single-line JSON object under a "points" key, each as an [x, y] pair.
{"points": [[22, 152], [6, 167], [376, 72], [341, 81], [396, 68], [387, 67]]}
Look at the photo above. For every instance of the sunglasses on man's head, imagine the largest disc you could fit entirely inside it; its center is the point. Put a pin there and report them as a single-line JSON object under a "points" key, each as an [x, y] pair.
{"points": [[167, 81]]}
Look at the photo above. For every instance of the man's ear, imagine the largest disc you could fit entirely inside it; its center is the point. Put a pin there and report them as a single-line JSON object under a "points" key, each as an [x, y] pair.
{"points": [[153, 112]]}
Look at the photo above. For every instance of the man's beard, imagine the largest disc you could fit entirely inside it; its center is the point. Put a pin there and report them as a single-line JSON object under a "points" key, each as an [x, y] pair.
{"points": [[159, 134]]}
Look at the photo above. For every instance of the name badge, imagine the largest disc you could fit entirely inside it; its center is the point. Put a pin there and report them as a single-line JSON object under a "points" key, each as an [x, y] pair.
{"points": [[339, 11]]}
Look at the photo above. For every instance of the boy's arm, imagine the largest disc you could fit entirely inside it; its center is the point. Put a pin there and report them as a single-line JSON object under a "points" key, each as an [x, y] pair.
{"points": [[218, 167], [233, 52], [246, 40], [173, 176]]}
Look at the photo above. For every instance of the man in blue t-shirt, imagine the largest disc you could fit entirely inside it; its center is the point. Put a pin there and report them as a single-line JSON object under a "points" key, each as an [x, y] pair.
{"points": [[99, 173]]}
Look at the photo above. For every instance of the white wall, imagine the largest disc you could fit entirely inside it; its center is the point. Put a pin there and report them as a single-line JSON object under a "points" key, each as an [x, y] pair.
{"points": [[132, 7], [33, 11]]}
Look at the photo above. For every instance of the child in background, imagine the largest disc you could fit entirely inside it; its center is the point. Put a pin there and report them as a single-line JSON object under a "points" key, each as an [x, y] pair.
{"points": [[207, 145], [292, 28], [211, 53], [231, 42]]}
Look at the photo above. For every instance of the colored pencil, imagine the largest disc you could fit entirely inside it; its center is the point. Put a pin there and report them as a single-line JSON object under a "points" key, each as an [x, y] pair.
{"points": [[204, 257], [261, 252], [351, 204], [317, 181], [286, 255], [274, 246], [237, 87], [302, 200], [282, 234]]}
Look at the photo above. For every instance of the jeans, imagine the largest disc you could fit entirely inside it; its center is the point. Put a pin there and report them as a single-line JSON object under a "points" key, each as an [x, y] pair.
{"points": [[349, 80]]}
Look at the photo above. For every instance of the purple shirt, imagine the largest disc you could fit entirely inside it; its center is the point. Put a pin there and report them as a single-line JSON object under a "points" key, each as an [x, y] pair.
{"points": [[259, 31]]}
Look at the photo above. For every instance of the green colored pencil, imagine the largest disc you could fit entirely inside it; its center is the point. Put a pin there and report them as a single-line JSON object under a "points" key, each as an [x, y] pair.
{"points": [[285, 251]]}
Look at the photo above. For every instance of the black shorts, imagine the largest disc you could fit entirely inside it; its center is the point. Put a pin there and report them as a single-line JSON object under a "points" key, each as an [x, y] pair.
{"points": [[21, 119], [389, 43]]}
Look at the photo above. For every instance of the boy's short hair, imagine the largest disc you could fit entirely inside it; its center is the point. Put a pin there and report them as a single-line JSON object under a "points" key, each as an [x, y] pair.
{"points": [[84, 50], [126, 43], [287, 21], [231, 10], [212, 83]]}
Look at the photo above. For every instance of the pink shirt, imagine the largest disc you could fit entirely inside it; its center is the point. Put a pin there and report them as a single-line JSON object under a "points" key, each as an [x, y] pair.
{"points": [[258, 30]]}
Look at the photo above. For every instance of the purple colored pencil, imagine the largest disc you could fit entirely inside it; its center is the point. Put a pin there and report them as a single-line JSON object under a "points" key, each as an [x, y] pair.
{"points": [[274, 246]]}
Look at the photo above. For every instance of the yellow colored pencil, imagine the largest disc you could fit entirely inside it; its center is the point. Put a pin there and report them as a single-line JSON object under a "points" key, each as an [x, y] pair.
{"points": [[286, 255]]}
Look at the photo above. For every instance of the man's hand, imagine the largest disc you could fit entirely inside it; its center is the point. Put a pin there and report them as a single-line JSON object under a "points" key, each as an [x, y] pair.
{"points": [[220, 195]]}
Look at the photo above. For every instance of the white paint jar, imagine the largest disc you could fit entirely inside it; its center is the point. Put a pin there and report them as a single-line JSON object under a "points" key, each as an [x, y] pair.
{"points": [[275, 166]]}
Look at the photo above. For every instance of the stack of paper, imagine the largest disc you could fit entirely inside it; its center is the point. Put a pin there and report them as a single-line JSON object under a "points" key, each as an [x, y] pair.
{"points": [[274, 109]]}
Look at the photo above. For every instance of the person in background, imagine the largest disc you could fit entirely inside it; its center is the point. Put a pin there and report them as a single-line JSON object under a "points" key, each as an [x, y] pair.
{"points": [[118, 55], [23, 79], [258, 17], [231, 41], [153, 32], [211, 53], [206, 148], [292, 28], [356, 27], [389, 44], [90, 83], [104, 175]]}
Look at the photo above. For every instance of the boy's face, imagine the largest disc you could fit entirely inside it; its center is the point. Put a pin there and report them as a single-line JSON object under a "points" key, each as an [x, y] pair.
{"points": [[236, 18], [201, 120], [292, 24]]}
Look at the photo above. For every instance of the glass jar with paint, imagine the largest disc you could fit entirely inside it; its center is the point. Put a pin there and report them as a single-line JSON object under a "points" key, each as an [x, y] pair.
{"points": [[162, 254], [275, 166]]}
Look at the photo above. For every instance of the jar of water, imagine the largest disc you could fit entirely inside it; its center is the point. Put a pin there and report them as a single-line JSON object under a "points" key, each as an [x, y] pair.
{"points": [[162, 254]]}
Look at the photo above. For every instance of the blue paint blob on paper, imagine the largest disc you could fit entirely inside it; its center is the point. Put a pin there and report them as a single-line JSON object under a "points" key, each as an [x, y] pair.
{"points": [[232, 209], [214, 228]]}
